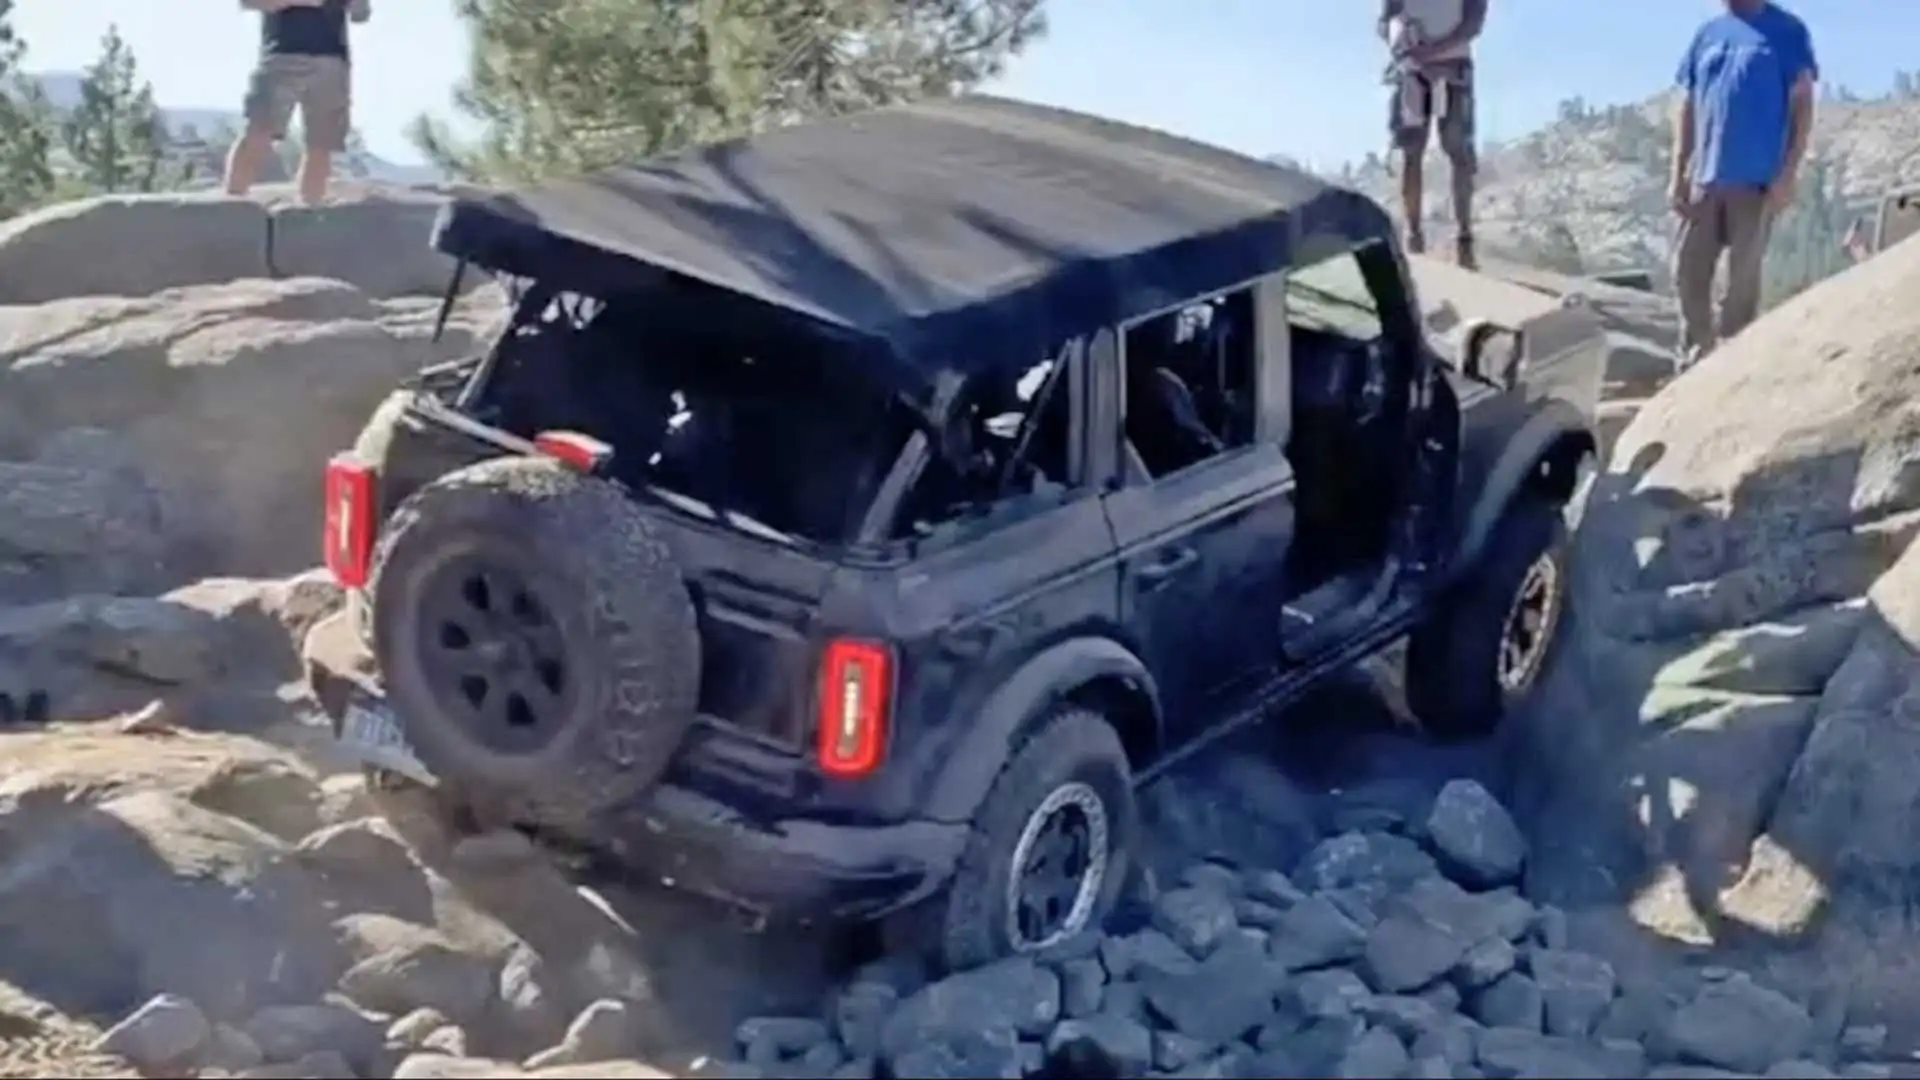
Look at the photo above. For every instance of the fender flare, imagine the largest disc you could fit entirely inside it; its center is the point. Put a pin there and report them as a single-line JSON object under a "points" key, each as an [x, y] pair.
{"points": [[1555, 428], [1043, 679]]}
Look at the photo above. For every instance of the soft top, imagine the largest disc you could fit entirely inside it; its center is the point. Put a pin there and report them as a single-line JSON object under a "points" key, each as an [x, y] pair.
{"points": [[950, 234]]}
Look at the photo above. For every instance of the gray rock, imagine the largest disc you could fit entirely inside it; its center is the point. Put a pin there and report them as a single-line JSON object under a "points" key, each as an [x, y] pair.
{"points": [[1127, 999], [1273, 888], [1212, 877], [1148, 951], [1196, 919], [1484, 963], [165, 1032], [772, 1040], [529, 1003], [1328, 994], [992, 1053], [1453, 1040], [1429, 1068], [419, 974], [1083, 983], [1512, 1001], [1407, 1017], [1377, 1052], [411, 1030], [1800, 1070], [1318, 1047], [1015, 995], [1512, 1052], [1229, 995], [860, 1013], [1315, 934], [229, 1049], [1406, 952], [1443, 996], [1474, 836], [1577, 989], [1739, 1025], [1173, 1051], [1126, 1043], [1378, 863], [290, 1032], [1549, 928], [1863, 1042]]}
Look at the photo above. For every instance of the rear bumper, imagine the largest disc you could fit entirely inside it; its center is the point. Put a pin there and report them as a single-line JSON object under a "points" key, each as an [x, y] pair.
{"points": [[789, 870]]}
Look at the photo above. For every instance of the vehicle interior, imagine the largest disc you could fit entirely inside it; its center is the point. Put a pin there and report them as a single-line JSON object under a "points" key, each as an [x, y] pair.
{"points": [[706, 404], [1190, 392]]}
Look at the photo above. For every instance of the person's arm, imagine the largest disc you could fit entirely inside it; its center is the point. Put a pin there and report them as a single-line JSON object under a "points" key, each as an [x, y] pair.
{"points": [[359, 10], [1389, 10], [1805, 74], [1473, 19], [1680, 182]]}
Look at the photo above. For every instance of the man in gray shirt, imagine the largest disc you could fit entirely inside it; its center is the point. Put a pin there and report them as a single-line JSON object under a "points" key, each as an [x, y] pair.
{"points": [[1431, 42], [304, 63]]}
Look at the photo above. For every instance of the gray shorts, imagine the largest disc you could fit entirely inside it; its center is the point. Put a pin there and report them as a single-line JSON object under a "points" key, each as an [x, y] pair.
{"points": [[320, 86]]}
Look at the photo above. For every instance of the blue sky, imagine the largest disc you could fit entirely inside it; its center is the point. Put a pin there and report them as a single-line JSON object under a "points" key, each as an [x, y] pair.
{"points": [[1293, 76]]}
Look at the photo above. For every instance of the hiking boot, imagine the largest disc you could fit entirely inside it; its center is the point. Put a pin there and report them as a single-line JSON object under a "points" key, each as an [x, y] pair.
{"points": [[1463, 253]]}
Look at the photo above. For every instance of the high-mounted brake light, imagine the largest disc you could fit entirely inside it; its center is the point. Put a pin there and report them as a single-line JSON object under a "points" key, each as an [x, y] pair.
{"points": [[856, 690], [574, 450], [347, 542]]}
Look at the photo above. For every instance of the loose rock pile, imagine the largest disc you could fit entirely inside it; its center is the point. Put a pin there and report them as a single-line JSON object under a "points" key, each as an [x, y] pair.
{"points": [[1383, 954]]}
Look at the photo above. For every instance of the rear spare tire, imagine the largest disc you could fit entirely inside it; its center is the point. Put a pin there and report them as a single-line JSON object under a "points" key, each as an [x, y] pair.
{"points": [[538, 645]]}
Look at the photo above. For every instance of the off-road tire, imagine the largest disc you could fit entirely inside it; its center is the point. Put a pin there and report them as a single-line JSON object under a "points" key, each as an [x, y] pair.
{"points": [[1453, 682], [623, 617], [1072, 744]]}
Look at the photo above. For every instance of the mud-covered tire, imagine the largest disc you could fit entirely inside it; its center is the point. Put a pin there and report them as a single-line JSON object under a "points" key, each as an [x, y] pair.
{"points": [[1457, 683], [568, 573], [1075, 751]]}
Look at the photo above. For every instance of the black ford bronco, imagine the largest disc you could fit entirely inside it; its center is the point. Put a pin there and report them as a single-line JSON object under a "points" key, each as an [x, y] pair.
{"points": [[851, 517]]}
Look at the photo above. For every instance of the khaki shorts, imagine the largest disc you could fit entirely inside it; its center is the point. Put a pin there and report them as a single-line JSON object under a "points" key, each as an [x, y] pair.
{"points": [[322, 88], [1443, 99]]}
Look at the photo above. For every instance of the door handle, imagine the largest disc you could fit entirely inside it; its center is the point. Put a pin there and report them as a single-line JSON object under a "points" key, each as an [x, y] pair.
{"points": [[1158, 571]]}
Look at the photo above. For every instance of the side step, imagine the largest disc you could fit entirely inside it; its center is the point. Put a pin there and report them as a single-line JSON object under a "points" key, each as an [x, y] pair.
{"points": [[1320, 620]]}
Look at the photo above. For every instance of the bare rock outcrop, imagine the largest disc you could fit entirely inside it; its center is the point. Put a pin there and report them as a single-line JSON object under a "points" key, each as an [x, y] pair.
{"points": [[1725, 745]]}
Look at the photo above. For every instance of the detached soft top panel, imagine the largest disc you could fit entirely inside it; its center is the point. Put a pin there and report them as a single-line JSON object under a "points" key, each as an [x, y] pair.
{"points": [[958, 234]]}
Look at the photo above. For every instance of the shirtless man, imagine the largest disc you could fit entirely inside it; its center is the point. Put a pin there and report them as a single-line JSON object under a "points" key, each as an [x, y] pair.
{"points": [[1432, 46]]}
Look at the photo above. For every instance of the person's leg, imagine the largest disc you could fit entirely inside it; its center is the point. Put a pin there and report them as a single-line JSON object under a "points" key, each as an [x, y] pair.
{"points": [[1696, 251], [1747, 227], [326, 114], [1456, 125], [268, 107], [1409, 117]]}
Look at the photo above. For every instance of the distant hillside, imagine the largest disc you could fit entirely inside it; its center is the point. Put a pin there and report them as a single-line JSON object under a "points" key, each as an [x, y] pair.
{"points": [[1588, 192], [204, 132]]}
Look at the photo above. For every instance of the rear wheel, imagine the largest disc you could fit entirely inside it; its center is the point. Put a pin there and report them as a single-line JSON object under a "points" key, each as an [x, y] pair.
{"points": [[1483, 652], [1051, 846], [538, 645]]}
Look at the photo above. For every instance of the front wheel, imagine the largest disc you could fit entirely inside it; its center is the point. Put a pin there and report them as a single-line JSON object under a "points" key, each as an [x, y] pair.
{"points": [[1051, 846], [1484, 650]]}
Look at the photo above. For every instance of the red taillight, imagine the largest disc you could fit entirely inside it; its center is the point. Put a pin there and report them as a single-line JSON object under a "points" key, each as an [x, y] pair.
{"points": [[856, 689], [574, 450], [348, 540]]}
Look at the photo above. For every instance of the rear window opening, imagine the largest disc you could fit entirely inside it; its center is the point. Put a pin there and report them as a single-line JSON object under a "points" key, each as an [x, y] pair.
{"points": [[708, 402]]}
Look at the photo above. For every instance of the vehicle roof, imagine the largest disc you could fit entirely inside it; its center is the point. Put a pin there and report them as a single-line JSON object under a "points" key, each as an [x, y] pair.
{"points": [[956, 233]]}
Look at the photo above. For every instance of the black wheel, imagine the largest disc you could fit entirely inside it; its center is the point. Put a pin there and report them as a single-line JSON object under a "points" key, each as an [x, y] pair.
{"points": [[538, 644], [1050, 849], [1485, 649]]}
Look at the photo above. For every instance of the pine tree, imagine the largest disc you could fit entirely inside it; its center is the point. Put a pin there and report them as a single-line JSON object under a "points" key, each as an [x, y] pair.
{"points": [[26, 171], [115, 134], [558, 86]]}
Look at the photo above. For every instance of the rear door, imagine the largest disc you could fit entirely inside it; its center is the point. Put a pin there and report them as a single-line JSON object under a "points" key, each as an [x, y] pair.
{"points": [[1202, 534]]}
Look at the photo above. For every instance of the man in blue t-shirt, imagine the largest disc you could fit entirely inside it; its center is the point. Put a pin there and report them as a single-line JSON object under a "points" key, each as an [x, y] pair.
{"points": [[1738, 140]]}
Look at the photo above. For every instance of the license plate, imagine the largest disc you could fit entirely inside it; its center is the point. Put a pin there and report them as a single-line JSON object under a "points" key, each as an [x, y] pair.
{"points": [[371, 736]]}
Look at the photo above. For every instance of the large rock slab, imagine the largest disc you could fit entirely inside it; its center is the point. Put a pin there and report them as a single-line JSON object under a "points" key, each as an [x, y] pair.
{"points": [[1724, 742], [374, 238], [229, 397], [130, 245]]}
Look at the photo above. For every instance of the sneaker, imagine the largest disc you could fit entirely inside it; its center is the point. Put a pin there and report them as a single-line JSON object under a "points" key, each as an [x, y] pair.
{"points": [[1463, 253], [1416, 242]]}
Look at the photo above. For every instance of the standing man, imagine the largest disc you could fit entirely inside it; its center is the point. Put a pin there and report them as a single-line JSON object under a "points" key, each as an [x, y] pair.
{"points": [[303, 63], [1746, 109], [1432, 74]]}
